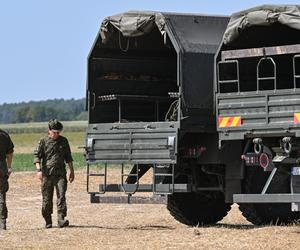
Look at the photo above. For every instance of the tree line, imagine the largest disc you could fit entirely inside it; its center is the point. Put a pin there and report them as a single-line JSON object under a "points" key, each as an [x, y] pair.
{"points": [[41, 111]]}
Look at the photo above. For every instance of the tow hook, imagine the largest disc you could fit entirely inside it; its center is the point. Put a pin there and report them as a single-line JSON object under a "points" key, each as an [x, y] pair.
{"points": [[258, 145], [286, 145]]}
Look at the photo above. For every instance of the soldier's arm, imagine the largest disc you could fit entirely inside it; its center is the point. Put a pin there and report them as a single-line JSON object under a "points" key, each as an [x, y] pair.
{"points": [[38, 153], [69, 161], [39, 173], [72, 174], [9, 155], [68, 155], [9, 158]]}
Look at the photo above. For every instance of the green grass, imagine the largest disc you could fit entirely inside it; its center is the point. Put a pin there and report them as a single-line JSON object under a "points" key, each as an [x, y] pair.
{"points": [[41, 127], [25, 137], [27, 142], [79, 160], [24, 162]]}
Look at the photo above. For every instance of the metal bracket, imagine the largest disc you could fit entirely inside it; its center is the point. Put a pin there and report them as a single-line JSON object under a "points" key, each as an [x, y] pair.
{"points": [[89, 144]]}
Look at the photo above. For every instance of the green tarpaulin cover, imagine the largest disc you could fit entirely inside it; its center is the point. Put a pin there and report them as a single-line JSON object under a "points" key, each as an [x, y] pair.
{"points": [[264, 15], [132, 24]]}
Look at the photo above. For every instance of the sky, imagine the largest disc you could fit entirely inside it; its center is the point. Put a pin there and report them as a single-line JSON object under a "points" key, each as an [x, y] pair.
{"points": [[44, 43]]}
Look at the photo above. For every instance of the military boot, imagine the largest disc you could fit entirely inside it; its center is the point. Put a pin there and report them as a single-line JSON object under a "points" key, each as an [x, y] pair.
{"points": [[2, 224], [61, 221], [48, 221]]}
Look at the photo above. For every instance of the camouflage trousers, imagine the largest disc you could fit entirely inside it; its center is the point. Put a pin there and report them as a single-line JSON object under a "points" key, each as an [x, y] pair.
{"points": [[48, 185], [3, 190]]}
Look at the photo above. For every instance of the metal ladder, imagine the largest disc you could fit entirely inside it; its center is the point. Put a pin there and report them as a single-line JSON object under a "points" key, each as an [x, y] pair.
{"points": [[157, 175], [135, 175], [233, 80], [296, 77], [104, 175], [266, 78]]}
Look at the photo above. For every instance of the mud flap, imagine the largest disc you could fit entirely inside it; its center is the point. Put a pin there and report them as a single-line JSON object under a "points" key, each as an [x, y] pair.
{"points": [[295, 186]]}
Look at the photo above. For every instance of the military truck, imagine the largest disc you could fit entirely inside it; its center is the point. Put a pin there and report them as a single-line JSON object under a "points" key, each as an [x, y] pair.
{"points": [[257, 98], [151, 109]]}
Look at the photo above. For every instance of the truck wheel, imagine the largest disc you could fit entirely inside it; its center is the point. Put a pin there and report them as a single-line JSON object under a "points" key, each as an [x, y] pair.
{"points": [[267, 213], [198, 208]]}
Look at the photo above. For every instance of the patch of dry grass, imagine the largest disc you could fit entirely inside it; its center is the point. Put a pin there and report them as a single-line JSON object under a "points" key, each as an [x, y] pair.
{"points": [[123, 226]]}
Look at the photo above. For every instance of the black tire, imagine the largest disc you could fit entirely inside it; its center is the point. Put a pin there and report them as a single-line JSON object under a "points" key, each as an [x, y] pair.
{"points": [[267, 213], [197, 208]]}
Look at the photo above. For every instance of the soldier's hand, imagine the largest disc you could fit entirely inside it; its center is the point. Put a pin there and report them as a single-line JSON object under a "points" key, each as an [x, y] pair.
{"points": [[71, 177], [39, 175], [9, 171]]}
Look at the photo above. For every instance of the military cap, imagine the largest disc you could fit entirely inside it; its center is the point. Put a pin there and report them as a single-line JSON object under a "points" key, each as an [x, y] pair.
{"points": [[55, 125]]}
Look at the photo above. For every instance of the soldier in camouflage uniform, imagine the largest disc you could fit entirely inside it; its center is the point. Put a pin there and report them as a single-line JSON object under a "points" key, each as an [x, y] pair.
{"points": [[52, 153], [6, 156]]}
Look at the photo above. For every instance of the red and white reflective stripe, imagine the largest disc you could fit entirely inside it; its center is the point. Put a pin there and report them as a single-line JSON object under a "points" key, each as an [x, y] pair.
{"points": [[229, 121], [296, 118]]}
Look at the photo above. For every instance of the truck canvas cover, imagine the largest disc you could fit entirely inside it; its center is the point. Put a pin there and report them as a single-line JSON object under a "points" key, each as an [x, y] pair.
{"points": [[264, 15], [131, 24]]}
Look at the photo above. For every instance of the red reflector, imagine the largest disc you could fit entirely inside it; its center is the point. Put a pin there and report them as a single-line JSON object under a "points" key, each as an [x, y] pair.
{"points": [[264, 160]]}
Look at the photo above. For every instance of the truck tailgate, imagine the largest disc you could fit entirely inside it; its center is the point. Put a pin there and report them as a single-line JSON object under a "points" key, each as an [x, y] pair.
{"points": [[133, 143], [258, 113]]}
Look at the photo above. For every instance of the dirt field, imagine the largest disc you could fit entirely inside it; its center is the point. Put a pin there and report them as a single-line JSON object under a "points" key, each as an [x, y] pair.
{"points": [[103, 226]]}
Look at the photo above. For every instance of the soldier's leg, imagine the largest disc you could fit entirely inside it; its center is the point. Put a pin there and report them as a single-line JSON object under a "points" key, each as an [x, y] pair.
{"points": [[47, 194], [61, 188], [3, 208]]}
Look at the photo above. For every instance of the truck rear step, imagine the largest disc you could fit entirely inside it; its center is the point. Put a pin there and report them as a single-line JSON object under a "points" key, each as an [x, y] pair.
{"points": [[96, 198], [163, 184]]}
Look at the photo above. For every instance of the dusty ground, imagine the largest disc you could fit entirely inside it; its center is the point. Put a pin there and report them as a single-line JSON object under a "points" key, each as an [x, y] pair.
{"points": [[103, 226]]}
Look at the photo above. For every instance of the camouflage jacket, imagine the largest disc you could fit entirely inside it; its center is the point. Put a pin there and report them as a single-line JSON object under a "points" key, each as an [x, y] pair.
{"points": [[6, 147], [52, 154]]}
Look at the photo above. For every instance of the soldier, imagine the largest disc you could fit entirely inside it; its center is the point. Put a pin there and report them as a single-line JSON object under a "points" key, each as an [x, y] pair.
{"points": [[52, 153], [6, 156]]}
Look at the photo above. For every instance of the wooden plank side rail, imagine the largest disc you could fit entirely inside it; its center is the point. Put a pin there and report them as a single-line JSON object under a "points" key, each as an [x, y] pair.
{"points": [[259, 52]]}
